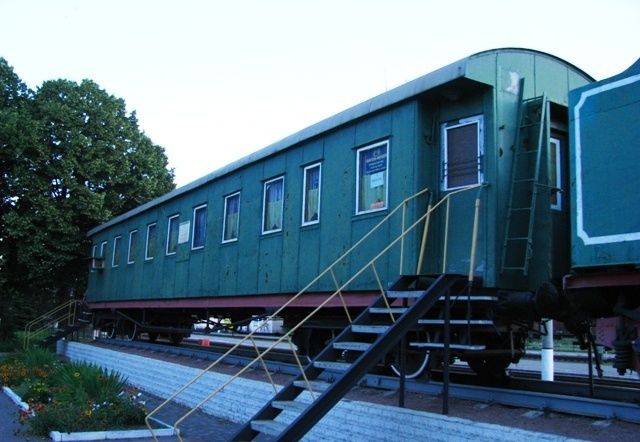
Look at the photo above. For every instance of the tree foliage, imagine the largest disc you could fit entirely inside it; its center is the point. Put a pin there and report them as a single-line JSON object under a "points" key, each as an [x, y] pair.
{"points": [[71, 158]]}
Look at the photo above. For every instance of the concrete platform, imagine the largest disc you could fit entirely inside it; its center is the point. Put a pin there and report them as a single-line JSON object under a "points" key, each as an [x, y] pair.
{"points": [[239, 401]]}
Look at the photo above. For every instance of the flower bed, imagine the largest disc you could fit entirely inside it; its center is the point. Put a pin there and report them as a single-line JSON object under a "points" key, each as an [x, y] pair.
{"points": [[70, 397]]}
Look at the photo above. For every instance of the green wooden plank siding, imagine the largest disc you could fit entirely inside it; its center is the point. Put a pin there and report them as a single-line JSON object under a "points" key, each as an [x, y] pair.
{"points": [[285, 261]]}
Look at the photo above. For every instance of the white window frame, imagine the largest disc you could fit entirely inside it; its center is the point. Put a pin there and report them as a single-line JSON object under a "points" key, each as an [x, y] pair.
{"points": [[146, 242], [479, 121], [175, 217], [195, 228], [386, 181], [103, 246], [224, 218], [558, 184], [94, 251], [131, 259], [304, 192], [116, 241], [264, 205]]}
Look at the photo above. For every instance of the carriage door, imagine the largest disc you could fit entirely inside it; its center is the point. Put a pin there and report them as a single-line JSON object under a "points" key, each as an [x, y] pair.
{"points": [[461, 160], [558, 204]]}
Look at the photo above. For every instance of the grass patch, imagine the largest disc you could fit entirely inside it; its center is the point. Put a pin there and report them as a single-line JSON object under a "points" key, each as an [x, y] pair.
{"points": [[69, 397]]}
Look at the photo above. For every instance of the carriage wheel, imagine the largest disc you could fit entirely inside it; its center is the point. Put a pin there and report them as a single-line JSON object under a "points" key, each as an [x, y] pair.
{"points": [[131, 332]]}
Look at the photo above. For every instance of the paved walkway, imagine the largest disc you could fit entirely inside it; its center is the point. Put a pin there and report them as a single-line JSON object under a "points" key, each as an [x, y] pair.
{"points": [[10, 428]]}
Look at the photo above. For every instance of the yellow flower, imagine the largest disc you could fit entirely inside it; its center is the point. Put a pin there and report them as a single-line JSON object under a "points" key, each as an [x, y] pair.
{"points": [[76, 374]]}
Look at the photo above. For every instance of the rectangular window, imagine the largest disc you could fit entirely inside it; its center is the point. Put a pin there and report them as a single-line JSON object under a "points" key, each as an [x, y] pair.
{"points": [[462, 151], [199, 227], [115, 259], [231, 217], [94, 254], [555, 174], [172, 234], [152, 240], [372, 178], [103, 249], [273, 205], [311, 195], [133, 246]]}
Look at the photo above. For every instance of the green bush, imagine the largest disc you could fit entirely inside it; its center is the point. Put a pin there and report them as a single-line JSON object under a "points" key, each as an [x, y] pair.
{"points": [[82, 382], [31, 364], [71, 396], [38, 358], [84, 397], [90, 416]]}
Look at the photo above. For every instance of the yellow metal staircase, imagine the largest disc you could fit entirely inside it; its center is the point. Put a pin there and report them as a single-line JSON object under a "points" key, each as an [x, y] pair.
{"points": [[56, 324], [371, 335]]}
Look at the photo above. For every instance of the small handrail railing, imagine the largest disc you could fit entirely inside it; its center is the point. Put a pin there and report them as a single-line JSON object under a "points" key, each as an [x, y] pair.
{"points": [[426, 217], [48, 321]]}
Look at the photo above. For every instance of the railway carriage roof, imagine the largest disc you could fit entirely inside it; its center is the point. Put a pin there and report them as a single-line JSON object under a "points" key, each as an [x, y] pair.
{"points": [[421, 85]]}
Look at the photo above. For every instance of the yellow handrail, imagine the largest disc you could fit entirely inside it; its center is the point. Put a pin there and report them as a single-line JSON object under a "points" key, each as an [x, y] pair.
{"points": [[338, 291], [63, 312]]}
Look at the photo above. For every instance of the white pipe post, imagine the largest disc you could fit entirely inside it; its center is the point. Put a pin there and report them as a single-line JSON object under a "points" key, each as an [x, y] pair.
{"points": [[546, 356]]}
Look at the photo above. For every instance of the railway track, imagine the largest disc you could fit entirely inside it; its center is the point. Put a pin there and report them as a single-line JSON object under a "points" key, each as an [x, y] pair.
{"points": [[608, 398]]}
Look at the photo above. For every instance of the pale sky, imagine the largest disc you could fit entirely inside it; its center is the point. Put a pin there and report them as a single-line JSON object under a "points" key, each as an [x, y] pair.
{"points": [[212, 81]]}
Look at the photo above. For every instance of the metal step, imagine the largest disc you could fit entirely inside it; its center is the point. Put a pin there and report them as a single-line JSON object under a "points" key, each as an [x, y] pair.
{"points": [[471, 298], [456, 322], [272, 428], [296, 406], [376, 329], [440, 346], [404, 293], [395, 310], [330, 365], [355, 346], [317, 386]]}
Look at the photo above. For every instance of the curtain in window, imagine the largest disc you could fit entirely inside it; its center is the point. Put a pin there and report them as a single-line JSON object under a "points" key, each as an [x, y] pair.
{"points": [[462, 156], [200, 227], [116, 252], [312, 195], [273, 204], [373, 179], [172, 241], [151, 241], [133, 246], [232, 218]]}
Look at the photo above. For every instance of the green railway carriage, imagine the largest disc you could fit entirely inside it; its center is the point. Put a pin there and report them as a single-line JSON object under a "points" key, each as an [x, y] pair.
{"points": [[243, 239]]}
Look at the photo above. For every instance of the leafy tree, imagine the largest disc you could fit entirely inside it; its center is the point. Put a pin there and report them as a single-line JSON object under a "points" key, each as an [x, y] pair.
{"points": [[72, 157]]}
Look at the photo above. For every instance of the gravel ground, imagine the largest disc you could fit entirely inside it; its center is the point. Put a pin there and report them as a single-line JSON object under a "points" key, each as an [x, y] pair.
{"points": [[552, 423]]}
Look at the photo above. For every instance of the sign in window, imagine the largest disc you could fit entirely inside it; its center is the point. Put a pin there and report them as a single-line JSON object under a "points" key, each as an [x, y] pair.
{"points": [[372, 178]]}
